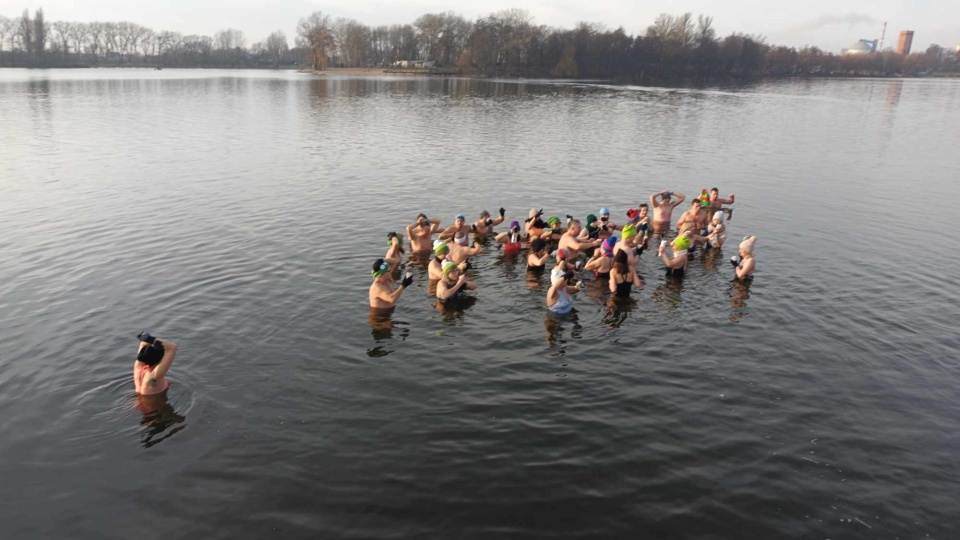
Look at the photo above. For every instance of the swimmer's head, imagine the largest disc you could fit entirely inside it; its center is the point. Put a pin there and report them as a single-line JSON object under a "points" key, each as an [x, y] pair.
{"points": [[538, 245], [533, 213], [440, 248], [746, 247], [449, 267], [515, 226], [714, 193], [643, 208], [575, 227], [460, 219], [151, 353], [609, 243], [633, 215], [391, 236], [682, 242], [604, 213], [718, 216], [557, 274], [590, 219], [460, 238], [666, 196], [380, 268], [553, 221], [696, 204], [484, 214], [629, 231]]}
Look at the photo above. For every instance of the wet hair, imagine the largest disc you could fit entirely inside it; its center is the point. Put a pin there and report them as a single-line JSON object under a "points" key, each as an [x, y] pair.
{"points": [[643, 205], [620, 260], [537, 245], [151, 354]]}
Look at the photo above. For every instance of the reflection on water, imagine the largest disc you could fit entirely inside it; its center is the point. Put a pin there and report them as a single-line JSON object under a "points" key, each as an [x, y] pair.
{"points": [[556, 325], [160, 421], [739, 294]]}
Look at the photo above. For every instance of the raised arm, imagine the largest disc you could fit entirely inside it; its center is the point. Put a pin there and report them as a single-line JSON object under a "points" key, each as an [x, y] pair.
{"points": [[653, 199], [450, 290], [447, 233], [680, 198], [475, 250], [169, 352]]}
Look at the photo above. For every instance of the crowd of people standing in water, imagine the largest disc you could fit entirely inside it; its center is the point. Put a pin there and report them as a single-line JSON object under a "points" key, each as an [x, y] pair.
{"points": [[597, 245]]}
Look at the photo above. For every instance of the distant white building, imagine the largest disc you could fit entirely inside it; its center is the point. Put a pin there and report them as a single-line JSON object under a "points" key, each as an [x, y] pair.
{"points": [[414, 63], [864, 46]]}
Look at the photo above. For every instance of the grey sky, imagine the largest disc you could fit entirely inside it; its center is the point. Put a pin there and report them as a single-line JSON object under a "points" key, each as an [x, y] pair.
{"points": [[829, 24]]}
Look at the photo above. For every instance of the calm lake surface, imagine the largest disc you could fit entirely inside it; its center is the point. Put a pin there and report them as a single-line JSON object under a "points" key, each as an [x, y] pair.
{"points": [[238, 213]]}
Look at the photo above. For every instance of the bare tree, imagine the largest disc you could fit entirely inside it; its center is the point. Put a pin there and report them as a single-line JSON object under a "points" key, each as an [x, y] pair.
{"points": [[26, 33], [275, 47], [315, 32], [40, 30]]}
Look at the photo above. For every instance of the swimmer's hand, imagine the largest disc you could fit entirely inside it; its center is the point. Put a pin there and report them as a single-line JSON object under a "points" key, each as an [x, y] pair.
{"points": [[489, 221], [462, 279], [407, 280], [502, 211], [735, 261], [581, 285]]}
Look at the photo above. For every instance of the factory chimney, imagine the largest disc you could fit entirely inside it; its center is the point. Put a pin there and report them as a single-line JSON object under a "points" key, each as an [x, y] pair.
{"points": [[883, 34]]}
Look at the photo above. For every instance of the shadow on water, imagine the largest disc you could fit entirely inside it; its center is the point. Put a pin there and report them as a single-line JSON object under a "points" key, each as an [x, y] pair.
{"points": [[618, 311], [453, 311], [668, 293], [159, 419]]}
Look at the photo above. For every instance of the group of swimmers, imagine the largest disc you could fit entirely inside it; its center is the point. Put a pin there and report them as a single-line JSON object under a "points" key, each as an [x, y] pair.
{"points": [[578, 246]]}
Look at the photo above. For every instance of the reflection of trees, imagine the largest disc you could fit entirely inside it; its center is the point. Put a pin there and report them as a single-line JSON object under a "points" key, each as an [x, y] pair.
{"points": [[160, 421]]}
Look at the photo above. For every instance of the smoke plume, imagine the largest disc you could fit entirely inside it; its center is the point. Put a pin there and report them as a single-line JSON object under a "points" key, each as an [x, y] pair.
{"points": [[850, 19]]}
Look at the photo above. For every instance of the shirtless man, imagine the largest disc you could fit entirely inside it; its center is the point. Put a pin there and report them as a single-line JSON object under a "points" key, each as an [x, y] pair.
{"points": [[485, 225], [459, 226], [693, 221], [716, 203], [459, 252], [382, 293], [421, 233], [571, 244], [662, 210]]}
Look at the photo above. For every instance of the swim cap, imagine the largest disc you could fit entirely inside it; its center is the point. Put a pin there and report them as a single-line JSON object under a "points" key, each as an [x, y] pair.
{"points": [[440, 247], [391, 236], [682, 242], [515, 225], [553, 221], [460, 216], [533, 213], [608, 244], [590, 219], [633, 215], [537, 245], [604, 211], [557, 274], [484, 214], [747, 244], [460, 239], [629, 231], [448, 266], [380, 267], [718, 216]]}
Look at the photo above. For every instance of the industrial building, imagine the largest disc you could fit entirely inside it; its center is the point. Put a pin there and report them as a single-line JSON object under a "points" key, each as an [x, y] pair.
{"points": [[864, 46], [905, 42]]}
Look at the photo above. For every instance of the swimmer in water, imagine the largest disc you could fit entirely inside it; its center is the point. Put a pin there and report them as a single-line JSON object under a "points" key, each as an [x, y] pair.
{"points": [[718, 231], [571, 243], [440, 252], [629, 245], [511, 239], [395, 249], [623, 276], [534, 225], [485, 224], [676, 266], [560, 295], [554, 230], [602, 261], [382, 294], [460, 252], [537, 259], [693, 221], [459, 227], [663, 210], [745, 264], [154, 358], [452, 285], [716, 203], [640, 219], [421, 233]]}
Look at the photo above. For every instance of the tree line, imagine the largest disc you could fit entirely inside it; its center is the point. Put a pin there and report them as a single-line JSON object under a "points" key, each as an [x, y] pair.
{"points": [[507, 43]]}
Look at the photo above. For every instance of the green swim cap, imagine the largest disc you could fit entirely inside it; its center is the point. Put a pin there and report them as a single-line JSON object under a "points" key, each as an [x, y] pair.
{"points": [[629, 231], [391, 236], [682, 242], [448, 266], [553, 221], [441, 248]]}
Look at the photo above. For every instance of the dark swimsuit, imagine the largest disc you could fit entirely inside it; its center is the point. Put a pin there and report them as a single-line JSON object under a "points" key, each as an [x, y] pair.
{"points": [[623, 288]]}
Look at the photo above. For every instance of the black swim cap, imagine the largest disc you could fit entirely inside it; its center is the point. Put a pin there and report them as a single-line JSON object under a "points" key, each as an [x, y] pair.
{"points": [[151, 354], [537, 245]]}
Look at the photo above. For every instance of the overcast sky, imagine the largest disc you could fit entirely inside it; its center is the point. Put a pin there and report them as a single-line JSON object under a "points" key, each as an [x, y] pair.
{"points": [[829, 24]]}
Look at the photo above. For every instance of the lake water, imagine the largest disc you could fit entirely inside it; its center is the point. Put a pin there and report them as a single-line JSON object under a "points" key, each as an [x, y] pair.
{"points": [[238, 213]]}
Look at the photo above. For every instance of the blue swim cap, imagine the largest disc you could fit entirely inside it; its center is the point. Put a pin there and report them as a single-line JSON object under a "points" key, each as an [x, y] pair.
{"points": [[460, 216], [604, 210]]}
